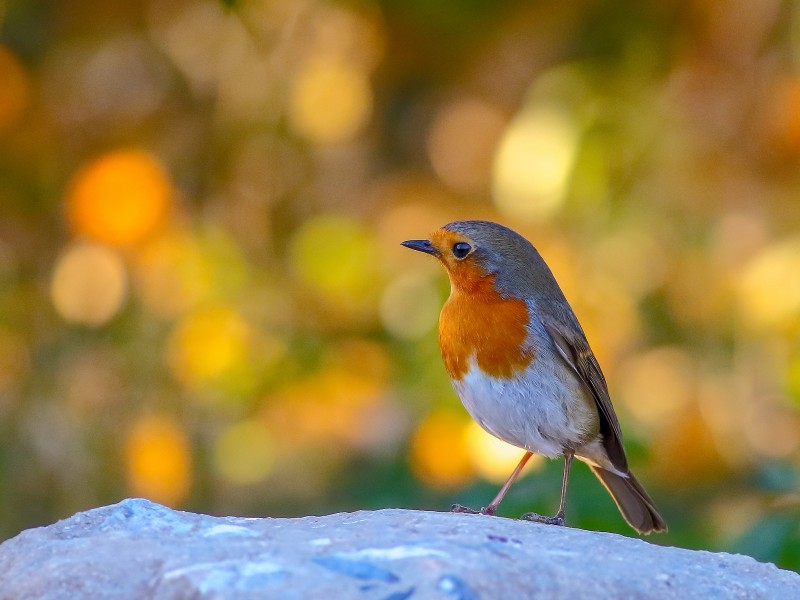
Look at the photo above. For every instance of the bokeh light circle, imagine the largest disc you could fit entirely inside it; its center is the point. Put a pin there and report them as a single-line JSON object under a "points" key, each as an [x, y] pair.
{"points": [[119, 198], [89, 284]]}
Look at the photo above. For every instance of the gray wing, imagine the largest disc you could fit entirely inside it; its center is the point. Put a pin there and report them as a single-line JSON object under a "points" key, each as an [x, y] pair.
{"points": [[570, 341]]}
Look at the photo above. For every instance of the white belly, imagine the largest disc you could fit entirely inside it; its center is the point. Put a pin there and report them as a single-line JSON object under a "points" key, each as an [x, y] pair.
{"points": [[530, 410]]}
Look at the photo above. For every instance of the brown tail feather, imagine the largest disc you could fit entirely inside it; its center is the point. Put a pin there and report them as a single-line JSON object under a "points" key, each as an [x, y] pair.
{"points": [[632, 501]]}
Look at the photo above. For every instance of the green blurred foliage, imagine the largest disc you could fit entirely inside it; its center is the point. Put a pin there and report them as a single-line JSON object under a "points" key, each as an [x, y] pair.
{"points": [[203, 299]]}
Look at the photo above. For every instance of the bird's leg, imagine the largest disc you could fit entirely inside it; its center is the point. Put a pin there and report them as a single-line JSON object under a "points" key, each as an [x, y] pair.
{"points": [[562, 505], [492, 507], [558, 519]]}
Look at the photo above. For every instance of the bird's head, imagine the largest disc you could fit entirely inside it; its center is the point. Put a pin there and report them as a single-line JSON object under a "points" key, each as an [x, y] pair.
{"points": [[473, 251]]}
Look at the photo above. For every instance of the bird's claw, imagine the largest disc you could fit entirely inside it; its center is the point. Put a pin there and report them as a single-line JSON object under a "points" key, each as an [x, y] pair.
{"points": [[537, 518], [459, 508]]}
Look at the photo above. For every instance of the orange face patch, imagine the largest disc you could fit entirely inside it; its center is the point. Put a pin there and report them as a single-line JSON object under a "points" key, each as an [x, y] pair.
{"points": [[464, 273], [476, 320]]}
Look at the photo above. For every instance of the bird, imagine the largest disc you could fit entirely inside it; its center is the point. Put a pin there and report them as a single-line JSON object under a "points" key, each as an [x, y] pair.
{"points": [[523, 368]]}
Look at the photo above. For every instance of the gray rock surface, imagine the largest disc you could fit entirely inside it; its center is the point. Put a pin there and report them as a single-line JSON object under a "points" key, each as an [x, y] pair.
{"points": [[137, 549]]}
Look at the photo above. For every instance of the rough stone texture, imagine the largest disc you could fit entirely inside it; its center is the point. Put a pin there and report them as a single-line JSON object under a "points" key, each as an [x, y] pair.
{"points": [[138, 549]]}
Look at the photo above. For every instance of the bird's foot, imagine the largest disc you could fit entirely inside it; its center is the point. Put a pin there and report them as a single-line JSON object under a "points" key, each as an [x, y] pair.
{"points": [[459, 508], [537, 518]]}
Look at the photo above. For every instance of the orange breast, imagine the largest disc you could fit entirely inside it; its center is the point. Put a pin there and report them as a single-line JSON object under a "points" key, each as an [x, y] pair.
{"points": [[477, 321]]}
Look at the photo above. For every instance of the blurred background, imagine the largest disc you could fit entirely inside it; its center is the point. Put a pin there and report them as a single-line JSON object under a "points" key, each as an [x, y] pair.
{"points": [[203, 299]]}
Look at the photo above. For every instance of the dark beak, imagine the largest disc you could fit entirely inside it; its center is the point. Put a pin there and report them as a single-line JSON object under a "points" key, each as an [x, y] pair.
{"points": [[421, 245]]}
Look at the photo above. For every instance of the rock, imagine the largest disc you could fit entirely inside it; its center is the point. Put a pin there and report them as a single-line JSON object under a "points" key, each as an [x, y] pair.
{"points": [[137, 549]]}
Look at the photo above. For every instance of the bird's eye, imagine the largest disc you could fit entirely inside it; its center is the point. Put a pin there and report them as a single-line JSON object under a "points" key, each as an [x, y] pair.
{"points": [[461, 249]]}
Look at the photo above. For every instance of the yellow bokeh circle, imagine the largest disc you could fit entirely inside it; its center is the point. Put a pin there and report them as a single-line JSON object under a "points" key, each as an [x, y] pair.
{"points": [[493, 458], [244, 452], [336, 258], [439, 455], [330, 101], [207, 345], [158, 459]]}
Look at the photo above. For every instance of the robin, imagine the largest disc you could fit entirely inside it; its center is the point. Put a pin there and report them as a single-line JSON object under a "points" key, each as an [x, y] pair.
{"points": [[521, 365]]}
